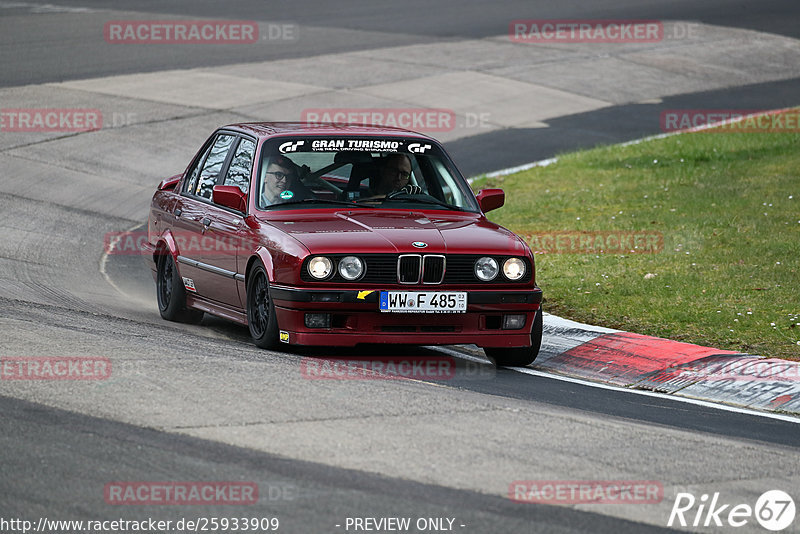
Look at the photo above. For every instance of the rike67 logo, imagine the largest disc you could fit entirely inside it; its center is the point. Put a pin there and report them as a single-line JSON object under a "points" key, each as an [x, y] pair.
{"points": [[774, 510]]}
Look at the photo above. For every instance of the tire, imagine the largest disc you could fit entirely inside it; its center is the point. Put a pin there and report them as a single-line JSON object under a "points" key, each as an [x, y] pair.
{"points": [[260, 310], [519, 356], [172, 295]]}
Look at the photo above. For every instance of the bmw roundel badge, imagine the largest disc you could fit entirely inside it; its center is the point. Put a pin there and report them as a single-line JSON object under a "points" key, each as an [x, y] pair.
{"points": [[419, 244]]}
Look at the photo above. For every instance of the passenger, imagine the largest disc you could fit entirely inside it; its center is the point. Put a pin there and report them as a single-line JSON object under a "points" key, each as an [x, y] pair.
{"points": [[280, 182]]}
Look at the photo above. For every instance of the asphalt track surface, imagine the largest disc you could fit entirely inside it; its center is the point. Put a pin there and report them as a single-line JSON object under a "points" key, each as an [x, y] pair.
{"points": [[201, 403], [45, 59], [46, 49]]}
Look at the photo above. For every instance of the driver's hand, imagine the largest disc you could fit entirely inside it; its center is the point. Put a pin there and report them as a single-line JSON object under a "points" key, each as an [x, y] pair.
{"points": [[411, 189]]}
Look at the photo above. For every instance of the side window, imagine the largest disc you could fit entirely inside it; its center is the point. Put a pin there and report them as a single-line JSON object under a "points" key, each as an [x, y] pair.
{"points": [[191, 183], [453, 194], [241, 165], [213, 165]]}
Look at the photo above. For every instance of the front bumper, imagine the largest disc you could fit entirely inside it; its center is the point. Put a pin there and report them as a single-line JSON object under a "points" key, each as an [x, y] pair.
{"points": [[354, 318]]}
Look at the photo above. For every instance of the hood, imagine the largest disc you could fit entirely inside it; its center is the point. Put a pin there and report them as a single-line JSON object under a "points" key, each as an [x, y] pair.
{"points": [[394, 231]]}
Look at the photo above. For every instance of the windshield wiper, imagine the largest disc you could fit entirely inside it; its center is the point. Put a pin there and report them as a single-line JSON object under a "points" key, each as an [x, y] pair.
{"points": [[412, 198], [316, 201]]}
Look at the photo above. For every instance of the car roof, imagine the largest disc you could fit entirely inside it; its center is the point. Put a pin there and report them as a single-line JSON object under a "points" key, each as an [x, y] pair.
{"points": [[271, 129]]}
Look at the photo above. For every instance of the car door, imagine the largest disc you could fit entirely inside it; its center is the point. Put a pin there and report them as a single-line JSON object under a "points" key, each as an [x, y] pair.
{"points": [[194, 216], [226, 256]]}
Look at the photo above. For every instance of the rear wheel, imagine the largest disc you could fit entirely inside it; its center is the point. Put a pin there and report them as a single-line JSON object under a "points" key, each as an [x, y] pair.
{"points": [[171, 293], [519, 356], [260, 310]]}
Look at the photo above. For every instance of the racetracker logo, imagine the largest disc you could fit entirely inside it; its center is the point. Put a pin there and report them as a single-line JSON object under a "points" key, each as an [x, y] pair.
{"points": [[418, 368], [181, 493], [54, 368], [739, 369], [420, 119], [586, 491], [731, 120], [187, 243], [181, 32], [50, 120], [585, 31], [606, 242]]}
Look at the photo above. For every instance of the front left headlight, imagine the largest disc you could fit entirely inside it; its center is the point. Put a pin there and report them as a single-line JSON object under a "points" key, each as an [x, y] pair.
{"points": [[351, 267], [486, 269], [514, 268]]}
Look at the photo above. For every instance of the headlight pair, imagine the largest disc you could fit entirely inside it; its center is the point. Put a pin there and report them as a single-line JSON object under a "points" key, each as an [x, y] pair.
{"points": [[487, 269], [349, 267]]}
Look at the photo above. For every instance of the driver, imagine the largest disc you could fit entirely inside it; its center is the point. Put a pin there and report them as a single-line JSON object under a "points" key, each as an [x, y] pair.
{"points": [[394, 175]]}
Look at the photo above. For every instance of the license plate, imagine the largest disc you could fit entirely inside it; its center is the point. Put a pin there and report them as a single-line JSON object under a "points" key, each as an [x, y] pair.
{"points": [[423, 301]]}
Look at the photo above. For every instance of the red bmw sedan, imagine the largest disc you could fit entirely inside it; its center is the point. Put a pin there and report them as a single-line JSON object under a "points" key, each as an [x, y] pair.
{"points": [[314, 234]]}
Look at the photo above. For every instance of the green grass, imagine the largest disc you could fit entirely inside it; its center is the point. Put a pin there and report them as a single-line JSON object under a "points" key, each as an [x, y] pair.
{"points": [[728, 206]]}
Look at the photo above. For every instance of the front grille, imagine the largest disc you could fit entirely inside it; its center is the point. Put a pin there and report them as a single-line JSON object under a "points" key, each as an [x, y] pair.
{"points": [[412, 267], [433, 269], [408, 269]]}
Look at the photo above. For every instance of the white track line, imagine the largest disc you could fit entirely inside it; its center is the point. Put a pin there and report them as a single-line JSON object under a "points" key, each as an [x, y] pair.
{"points": [[687, 400], [104, 260], [600, 385]]}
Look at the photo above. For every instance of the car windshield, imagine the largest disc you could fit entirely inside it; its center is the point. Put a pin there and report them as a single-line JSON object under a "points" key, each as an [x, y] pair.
{"points": [[376, 172]]}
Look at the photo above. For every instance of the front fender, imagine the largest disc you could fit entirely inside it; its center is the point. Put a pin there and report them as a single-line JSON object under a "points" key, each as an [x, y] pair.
{"points": [[261, 254], [166, 245]]}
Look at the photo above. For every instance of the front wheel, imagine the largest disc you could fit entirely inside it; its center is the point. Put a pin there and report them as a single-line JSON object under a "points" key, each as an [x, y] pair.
{"points": [[260, 310], [172, 295], [519, 356]]}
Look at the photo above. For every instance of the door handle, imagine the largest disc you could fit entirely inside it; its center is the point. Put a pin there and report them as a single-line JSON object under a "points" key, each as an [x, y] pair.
{"points": [[206, 224]]}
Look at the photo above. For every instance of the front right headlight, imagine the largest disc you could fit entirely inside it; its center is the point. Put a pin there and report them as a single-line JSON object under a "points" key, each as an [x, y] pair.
{"points": [[320, 267]]}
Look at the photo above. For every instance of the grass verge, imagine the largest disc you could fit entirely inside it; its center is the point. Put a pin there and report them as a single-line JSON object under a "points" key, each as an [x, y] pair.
{"points": [[709, 224]]}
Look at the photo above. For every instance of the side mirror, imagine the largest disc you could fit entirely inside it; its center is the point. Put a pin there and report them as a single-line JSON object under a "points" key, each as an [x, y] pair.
{"points": [[490, 199], [229, 196], [169, 183]]}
